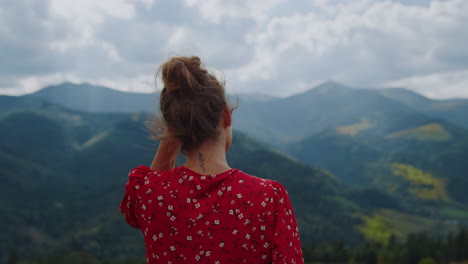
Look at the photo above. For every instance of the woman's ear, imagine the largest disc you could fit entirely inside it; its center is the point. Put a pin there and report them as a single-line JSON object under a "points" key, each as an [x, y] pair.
{"points": [[227, 117]]}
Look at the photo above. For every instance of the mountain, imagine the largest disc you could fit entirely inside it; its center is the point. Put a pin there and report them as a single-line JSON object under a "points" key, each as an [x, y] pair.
{"points": [[281, 120], [97, 99], [453, 110], [250, 97], [324, 107], [333, 125], [63, 175], [389, 165], [383, 130], [91, 98], [378, 128], [423, 168]]}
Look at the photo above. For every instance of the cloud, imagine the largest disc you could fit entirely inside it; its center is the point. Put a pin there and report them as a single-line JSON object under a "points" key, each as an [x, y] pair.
{"points": [[361, 43], [276, 47], [216, 10], [24, 39], [430, 85]]}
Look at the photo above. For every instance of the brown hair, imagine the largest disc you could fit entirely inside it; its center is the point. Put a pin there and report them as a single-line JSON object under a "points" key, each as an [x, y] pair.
{"points": [[191, 103]]}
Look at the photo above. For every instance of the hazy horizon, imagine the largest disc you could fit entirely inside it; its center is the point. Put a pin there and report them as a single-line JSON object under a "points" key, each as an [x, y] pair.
{"points": [[238, 93]]}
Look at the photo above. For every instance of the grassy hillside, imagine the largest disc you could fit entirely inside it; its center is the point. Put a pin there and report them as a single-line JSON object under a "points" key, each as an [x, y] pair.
{"points": [[452, 110], [392, 158], [63, 175], [418, 171]]}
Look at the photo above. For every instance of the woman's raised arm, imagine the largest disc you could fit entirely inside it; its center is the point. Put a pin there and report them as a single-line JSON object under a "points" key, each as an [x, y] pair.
{"points": [[167, 153]]}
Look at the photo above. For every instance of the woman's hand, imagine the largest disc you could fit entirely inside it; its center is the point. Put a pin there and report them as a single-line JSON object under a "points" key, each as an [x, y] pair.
{"points": [[167, 153]]}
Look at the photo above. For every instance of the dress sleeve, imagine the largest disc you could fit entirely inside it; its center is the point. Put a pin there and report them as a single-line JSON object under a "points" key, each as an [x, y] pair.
{"points": [[130, 199], [286, 246]]}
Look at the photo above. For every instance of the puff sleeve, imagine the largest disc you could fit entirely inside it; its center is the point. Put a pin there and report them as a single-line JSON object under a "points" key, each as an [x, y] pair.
{"points": [[286, 246], [129, 203]]}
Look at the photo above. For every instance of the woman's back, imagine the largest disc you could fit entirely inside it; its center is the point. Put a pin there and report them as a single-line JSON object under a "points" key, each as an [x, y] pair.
{"points": [[230, 217], [187, 217]]}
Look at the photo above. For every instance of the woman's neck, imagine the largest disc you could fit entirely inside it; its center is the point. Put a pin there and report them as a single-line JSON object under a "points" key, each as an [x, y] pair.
{"points": [[209, 158]]}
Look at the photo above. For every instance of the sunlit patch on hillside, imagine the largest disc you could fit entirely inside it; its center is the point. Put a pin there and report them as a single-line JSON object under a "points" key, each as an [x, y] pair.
{"points": [[138, 116], [92, 140], [429, 132], [423, 185], [385, 223], [354, 129], [454, 213]]}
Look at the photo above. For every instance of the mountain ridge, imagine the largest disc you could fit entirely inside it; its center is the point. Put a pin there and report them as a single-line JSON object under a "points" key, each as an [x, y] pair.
{"points": [[279, 121]]}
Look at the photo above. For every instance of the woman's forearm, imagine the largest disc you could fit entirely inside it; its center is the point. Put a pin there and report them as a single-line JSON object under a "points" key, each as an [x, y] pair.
{"points": [[166, 155]]}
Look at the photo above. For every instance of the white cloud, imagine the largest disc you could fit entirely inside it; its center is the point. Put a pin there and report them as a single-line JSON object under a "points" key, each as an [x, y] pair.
{"points": [[82, 17], [148, 3], [32, 83], [444, 85], [361, 43], [275, 46], [139, 83], [216, 10]]}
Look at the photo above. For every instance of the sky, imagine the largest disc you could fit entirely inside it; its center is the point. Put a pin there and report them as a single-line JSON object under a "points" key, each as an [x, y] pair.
{"points": [[274, 47]]}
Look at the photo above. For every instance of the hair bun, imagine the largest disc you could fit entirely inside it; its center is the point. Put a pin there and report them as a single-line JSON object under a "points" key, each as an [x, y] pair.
{"points": [[183, 73], [191, 104], [195, 62]]}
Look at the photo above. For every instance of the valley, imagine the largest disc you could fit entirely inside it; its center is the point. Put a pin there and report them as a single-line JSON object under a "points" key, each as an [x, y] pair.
{"points": [[371, 164]]}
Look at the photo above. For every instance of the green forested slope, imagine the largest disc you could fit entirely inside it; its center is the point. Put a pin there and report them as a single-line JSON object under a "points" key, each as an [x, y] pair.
{"points": [[453, 110], [399, 168], [63, 174]]}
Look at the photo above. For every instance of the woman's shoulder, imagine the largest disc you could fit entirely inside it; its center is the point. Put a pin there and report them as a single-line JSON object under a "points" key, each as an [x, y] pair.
{"points": [[263, 184], [139, 171], [142, 171], [239, 178]]}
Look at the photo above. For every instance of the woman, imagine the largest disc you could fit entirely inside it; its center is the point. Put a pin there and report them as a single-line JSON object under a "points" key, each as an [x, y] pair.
{"points": [[205, 211]]}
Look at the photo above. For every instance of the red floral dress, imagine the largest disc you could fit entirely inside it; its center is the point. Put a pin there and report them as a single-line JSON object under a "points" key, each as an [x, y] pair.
{"points": [[231, 217]]}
